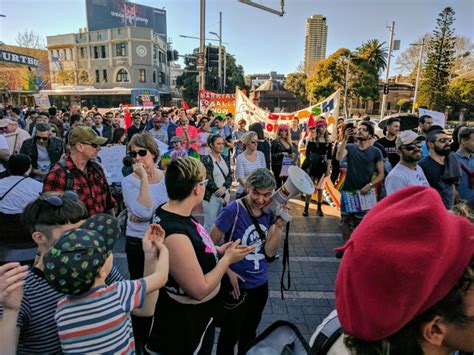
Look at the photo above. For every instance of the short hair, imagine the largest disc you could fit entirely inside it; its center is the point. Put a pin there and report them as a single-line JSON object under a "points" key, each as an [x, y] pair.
{"points": [[465, 133], [247, 137], [118, 133], [393, 120], [261, 178], [75, 118], [97, 114], [431, 136], [212, 138], [52, 111], [40, 215], [423, 118], [369, 126], [19, 164], [182, 175], [146, 140], [43, 127], [242, 121], [257, 128]]}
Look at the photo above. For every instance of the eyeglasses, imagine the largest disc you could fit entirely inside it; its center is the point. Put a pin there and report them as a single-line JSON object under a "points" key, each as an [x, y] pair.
{"points": [[44, 139], [253, 142], [443, 140], [141, 152], [411, 147], [53, 131], [203, 182], [93, 145]]}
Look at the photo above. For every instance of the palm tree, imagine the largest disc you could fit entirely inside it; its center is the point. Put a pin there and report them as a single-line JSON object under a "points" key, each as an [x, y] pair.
{"points": [[374, 53]]}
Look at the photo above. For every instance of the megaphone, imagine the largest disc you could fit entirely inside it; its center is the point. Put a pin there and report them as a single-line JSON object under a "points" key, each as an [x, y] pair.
{"points": [[298, 182]]}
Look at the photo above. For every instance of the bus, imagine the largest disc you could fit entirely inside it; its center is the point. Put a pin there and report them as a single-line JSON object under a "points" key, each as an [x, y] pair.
{"points": [[64, 97]]}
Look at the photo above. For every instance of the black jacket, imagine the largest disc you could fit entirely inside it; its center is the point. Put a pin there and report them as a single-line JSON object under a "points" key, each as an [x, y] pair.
{"points": [[55, 150], [211, 186], [106, 133]]}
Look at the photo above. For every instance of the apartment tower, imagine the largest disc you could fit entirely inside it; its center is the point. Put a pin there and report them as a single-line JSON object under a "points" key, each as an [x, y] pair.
{"points": [[315, 42]]}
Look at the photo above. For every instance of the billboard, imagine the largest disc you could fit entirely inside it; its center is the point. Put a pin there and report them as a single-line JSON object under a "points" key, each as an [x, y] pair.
{"points": [[104, 14]]}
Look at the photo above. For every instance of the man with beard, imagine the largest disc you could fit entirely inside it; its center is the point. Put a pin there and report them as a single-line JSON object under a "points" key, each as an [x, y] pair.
{"points": [[157, 132], [363, 160], [424, 125], [407, 172], [441, 168], [389, 141], [465, 155]]}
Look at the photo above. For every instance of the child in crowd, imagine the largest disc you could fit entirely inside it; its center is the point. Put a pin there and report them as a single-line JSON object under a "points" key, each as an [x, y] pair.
{"points": [[94, 317]]}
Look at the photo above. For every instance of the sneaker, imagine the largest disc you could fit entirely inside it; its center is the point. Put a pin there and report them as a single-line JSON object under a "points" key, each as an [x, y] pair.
{"points": [[306, 213], [320, 213]]}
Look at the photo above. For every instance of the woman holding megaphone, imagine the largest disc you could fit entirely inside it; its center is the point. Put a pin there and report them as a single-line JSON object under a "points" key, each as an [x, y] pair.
{"points": [[246, 291]]}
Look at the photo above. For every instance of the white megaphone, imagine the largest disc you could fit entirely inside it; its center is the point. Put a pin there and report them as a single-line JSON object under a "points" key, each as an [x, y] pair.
{"points": [[298, 182]]}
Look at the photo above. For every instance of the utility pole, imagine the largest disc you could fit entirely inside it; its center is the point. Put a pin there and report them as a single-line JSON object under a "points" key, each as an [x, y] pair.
{"points": [[384, 98], [219, 68], [202, 45], [225, 73], [418, 73], [345, 87]]}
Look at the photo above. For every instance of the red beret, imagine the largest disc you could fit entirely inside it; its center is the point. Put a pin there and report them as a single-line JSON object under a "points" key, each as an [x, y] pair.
{"points": [[404, 257]]}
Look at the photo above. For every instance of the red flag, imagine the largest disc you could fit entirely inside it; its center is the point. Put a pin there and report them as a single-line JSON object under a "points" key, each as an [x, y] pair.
{"points": [[185, 105], [128, 119], [311, 121]]}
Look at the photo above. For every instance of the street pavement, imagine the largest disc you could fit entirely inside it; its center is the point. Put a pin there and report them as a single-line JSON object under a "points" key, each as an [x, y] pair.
{"points": [[312, 264]]}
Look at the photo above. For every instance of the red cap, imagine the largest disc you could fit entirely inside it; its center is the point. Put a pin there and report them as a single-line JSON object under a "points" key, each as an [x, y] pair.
{"points": [[404, 257], [311, 121]]}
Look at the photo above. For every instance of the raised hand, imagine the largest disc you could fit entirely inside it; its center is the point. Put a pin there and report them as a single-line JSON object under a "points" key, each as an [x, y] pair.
{"points": [[12, 277]]}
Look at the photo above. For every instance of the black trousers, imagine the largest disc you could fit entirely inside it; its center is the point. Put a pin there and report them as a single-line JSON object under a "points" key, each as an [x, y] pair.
{"points": [[240, 324], [136, 259]]}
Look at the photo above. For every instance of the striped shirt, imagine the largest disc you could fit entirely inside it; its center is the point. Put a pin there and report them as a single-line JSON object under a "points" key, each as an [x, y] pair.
{"points": [[38, 332], [245, 167], [98, 321]]}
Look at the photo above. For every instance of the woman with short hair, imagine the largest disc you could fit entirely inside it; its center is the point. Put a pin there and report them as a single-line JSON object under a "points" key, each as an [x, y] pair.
{"points": [[249, 160], [143, 191], [247, 292], [219, 178], [184, 315]]}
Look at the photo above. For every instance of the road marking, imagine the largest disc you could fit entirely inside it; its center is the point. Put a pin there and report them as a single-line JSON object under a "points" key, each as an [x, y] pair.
{"points": [[304, 294]]}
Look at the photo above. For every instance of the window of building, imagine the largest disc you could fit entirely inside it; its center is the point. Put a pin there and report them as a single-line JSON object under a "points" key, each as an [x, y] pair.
{"points": [[154, 52], [122, 76], [103, 52], [104, 74], [141, 75], [99, 36], [162, 78], [96, 52], [97, 77], [82, 52], [84, 78], [154, 76], [121, 49]]}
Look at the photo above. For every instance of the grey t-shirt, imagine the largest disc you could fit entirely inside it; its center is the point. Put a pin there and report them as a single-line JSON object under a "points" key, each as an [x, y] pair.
{"points": [[402, 176], [361, 165], [44, 163]]}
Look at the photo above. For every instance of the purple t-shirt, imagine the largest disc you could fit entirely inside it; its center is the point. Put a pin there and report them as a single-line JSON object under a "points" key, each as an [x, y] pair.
{"points": [[253, 268]]}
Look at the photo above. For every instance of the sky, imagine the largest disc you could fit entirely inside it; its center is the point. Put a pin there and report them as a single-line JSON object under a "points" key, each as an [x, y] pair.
{"points": [[261, 41]]}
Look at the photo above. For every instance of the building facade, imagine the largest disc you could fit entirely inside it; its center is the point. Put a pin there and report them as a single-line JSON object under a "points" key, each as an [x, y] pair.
{"points": [[315, 42], [255, 80], [126, 57]]}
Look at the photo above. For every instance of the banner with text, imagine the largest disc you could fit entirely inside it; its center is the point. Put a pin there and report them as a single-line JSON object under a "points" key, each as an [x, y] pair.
{"points": [[217, 103]]}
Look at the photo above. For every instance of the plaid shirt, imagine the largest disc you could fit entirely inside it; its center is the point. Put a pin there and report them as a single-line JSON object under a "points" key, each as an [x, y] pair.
{"points": [[91, 186]]}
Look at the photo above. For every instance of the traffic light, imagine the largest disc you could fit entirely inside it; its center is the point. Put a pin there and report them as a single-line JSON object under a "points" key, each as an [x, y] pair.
{"points": [[386, 89], [212, 57], [172, 55]]}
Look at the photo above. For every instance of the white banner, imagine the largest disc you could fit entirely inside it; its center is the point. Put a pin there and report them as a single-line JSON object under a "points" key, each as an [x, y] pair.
{"points": [[438, 117], [111, 158]]}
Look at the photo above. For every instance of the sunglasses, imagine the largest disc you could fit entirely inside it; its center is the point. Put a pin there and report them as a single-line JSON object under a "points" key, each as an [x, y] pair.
{"points": [[413, 146], [58, 201], [203, 182], [53, 131], [253, 142], [141, 152], [93, 145], [44, 139]]}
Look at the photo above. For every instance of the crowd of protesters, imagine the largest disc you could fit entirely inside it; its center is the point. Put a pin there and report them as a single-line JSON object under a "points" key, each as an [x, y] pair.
{"points": [[60, 216]]}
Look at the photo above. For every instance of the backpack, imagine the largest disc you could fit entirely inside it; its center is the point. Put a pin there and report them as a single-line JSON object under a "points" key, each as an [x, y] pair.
{"points": [[283, 337]]}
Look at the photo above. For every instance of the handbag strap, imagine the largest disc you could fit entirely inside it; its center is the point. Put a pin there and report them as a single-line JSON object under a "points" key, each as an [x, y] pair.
{"points": [[261, 235], [222, 171], [231, 235], [11, 188]]}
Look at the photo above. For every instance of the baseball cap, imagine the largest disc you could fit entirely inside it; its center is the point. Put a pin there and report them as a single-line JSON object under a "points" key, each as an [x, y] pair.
{"points": [[72, 263], [84, 134], [407, 137], [405, 256], [5, 122], [175, 139]]}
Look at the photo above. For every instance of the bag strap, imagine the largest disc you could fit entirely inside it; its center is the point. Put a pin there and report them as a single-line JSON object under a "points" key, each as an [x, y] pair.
{"points": [[255, 223], [222, 171], [11, 188], [286, 264], [235, 222]]}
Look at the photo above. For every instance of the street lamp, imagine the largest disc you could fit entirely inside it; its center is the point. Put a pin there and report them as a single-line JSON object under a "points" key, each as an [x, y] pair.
{"points": [[207, 39]]}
